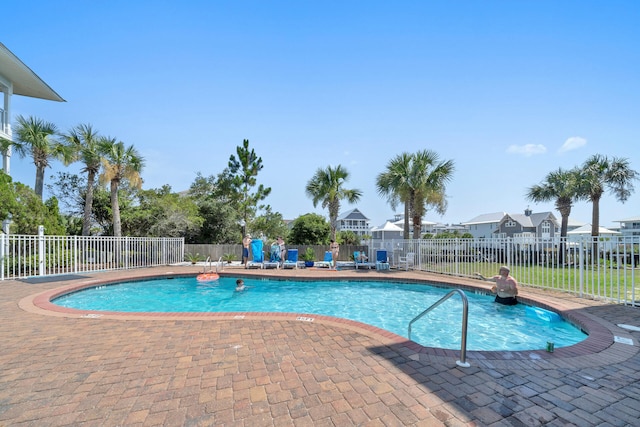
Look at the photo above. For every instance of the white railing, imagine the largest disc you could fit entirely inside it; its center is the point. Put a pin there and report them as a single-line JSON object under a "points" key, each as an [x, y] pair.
{"points": [[606, 268], [24, 256]]}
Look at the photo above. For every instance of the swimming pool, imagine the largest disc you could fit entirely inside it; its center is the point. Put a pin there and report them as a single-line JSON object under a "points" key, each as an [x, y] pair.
{"points": [[387, 305]]}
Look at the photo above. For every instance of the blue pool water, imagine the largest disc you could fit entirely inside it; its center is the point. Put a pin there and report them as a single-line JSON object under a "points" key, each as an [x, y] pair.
{"points": [[387, 305]]}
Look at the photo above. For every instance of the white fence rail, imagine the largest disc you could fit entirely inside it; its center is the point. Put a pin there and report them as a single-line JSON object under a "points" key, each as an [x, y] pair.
{"points": [[26, 255], [600, 268]]}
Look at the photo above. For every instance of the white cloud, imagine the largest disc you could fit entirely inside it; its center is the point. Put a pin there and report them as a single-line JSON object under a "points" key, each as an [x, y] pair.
{"points": [[527, 149], [572, 143]]}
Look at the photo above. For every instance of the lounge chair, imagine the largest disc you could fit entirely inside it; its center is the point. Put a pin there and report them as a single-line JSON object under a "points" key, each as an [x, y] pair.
{"points": [[382, 260], [257, 254], [361, 260], [327, 262], [292, 259], [274, 257], [407, 261]]}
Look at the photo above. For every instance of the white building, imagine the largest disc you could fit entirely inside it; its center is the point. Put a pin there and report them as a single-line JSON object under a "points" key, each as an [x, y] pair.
{"points": [[387, 231], [17, 79], [427, 227], [630, 226], [484, 226], [355, 221]]}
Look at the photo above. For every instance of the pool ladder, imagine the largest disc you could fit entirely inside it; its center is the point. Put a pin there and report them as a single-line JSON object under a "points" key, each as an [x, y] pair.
{"points": [[219, 265], [465, 312]]}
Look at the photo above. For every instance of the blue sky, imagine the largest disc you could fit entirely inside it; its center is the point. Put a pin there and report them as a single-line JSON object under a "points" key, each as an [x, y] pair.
{"points": [[508, 90]]}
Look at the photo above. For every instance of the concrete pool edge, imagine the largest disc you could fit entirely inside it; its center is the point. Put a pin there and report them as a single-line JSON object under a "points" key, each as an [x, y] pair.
{"points": [[600, 338]]}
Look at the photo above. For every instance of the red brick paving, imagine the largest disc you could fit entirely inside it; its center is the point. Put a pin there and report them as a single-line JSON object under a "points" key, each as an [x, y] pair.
{"points": [[62, 368]]}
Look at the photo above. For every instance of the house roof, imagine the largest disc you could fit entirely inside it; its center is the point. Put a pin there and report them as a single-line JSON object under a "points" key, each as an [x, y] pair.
{"points": [[387, 226], [400, 222], [25, 81], [574, 223], [486, 218], [586, 229], [532, 220], [353, 214], [632, 219]]}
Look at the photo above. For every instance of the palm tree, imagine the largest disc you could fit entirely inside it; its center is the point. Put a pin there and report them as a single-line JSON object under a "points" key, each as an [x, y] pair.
{"points": [[119, 163], [419, 181], [560, 186], [428, 181], [598, 174], [85, 143], [394, 184], [326, 186], [36, 137]]}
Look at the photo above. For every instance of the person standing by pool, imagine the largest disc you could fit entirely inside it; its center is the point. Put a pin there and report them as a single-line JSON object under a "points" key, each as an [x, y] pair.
{"points": [[334, 247], [283, 249], [506, 287], [245, 249]]}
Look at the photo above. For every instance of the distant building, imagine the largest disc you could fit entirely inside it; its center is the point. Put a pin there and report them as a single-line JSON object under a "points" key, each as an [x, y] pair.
{"points": [[450, 228], [387, 231], [484, 226], [354, 221], [427, 227], [543, 225], [630, 226]]}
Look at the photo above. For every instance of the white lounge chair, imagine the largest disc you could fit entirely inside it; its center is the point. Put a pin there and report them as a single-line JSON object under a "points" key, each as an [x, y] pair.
{"points": [[327, 262], [407, 261], [274, 257], [361, 260]]}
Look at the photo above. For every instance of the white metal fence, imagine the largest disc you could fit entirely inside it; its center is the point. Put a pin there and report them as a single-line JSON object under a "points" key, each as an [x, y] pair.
{"points": [[603, 268], [26, 255], [600, 268]]}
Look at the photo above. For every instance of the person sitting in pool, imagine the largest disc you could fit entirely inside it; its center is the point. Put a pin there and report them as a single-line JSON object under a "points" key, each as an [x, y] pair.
{"points": [[240, 285], [506, 287]]}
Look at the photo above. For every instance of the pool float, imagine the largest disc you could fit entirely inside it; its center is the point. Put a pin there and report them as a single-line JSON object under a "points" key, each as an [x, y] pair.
{"points": [[207, 277]]}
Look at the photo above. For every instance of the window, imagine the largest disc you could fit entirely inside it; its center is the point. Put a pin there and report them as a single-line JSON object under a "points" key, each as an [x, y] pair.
{"points": [[510, 223], [545, 228]]}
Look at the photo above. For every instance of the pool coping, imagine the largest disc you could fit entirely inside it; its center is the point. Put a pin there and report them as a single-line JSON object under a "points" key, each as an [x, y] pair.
{"points": [[601, 334]]}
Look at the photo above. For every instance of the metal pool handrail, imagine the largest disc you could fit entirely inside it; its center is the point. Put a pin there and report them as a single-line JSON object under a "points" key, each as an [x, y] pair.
{"points": [[465, 312]]}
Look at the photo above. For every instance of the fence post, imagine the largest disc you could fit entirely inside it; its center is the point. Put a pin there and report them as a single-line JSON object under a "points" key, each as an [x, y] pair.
{"points": [[2, 252], [41, 255], [75, 254], [581, 268]]}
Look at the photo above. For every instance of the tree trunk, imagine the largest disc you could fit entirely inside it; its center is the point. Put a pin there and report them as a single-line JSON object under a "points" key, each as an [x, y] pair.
{"points": [[115, 208], [88, 203], [405, 233], [595, 217], [39, 181], [417, 227]]}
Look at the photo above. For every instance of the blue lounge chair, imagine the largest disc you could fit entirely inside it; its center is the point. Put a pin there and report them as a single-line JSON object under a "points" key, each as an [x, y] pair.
{"points": [[327, 262], [361, 260], [382, 260], [274, 258], [292, 259], [257, 254]]}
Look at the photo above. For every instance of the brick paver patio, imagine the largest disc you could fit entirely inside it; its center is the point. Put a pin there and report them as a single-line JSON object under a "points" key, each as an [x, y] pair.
{"points": [[66, 368]]}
